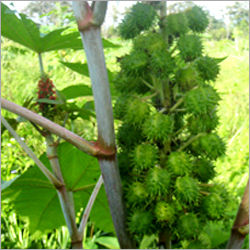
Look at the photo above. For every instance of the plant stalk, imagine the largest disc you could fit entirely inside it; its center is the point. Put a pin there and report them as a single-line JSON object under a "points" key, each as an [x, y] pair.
{"points": [[41, 64], [92, 43], [241, 224], [89, 206], [83, 145], [67, 204]]}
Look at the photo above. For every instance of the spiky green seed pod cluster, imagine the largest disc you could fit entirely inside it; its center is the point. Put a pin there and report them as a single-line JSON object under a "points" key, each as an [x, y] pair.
{"points": [[158, 182], [188, 225], [145, 156], [137, 112], [203, 170], [141, 222], [179, 163], [176, 24], [190, 47], [203, 123], [166, 139], [165, 212], [201, 100], [208, 68], [197, 19], [140, 18], [187, 77], [213, 205], [209, 145], [158, 127], [187, 189], [137, 193]]}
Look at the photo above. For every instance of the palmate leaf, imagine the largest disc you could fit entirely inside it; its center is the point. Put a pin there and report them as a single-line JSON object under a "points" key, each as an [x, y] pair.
{"points": [[36, 199], [82, 68], [20, 30], [75, 91], [26, 32]]}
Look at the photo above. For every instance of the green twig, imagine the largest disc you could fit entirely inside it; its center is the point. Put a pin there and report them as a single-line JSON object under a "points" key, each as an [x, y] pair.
{"points": [[52, 178], [177, 104], [192, 139], [89, 206]]}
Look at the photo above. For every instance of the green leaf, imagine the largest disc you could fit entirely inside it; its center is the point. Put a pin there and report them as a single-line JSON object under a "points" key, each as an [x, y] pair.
{"points": [[26, 32], [108, 44], [75, 91], [21, 30], [82, 68], [46, 100], [216, 233], [219, 60], [147, 241], [35, 198], [108, 242]]}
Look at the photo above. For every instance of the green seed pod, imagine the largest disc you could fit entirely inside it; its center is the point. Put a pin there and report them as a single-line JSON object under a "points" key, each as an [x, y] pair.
{"points": [[164, 212], [175, 24], [125, 165], [145, 156], [213, 205], [190, 47], [149, 43], [135, 63], [120, 106], [137, 112], [137, 193], [179, 163], [187, 189], [158, 127], [130, 84], [139, 18], [203, 170], [141, 222], [128, 135], [201, 100], [157, 182], [208, 68], [162, 63], [210, 145], [203, 123], [187, 77], [188, 225], [197, 19], [205, 240]]}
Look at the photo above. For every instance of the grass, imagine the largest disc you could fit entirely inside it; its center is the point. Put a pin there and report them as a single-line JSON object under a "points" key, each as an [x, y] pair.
{"points": [[233, 84]]}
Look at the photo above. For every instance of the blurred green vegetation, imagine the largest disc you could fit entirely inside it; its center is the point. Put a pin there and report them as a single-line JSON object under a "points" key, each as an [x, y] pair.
{"points": [[19, 78]]}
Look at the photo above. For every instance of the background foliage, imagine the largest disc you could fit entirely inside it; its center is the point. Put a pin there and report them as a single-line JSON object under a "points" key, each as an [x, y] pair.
{"points": [[20, 74]]}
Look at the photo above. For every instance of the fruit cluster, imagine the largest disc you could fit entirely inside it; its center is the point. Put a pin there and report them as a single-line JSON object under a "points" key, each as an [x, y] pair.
{"points": [[167, 142], [46, 90]]}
